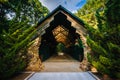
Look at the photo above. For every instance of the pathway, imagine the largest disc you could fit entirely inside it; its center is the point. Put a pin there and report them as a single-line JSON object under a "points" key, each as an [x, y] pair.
{"points": [[62, 68], [61, 63], [62, 76]]}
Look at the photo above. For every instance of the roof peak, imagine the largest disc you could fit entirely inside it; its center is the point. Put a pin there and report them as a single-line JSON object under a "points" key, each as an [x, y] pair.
{"points": [[61, 8]]}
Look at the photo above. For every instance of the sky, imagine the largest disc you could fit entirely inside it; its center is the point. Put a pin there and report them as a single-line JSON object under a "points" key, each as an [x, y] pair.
{"points": [[71, 5]]}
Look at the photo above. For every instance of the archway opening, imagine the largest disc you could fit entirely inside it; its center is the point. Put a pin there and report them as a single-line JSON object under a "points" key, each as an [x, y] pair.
{"points": [[60, 36]]}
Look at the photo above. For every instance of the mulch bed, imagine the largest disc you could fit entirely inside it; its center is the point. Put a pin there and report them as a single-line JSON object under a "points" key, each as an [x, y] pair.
{"points": [[105, 77], [20, 76]]}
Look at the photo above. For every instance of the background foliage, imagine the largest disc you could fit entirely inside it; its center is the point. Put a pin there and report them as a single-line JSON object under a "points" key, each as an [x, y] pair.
{"points": [[17, 21], [88, 11], [104, 39]]}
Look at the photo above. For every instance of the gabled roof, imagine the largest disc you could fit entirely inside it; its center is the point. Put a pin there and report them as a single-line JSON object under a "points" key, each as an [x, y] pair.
{"points": [[64, 10]]}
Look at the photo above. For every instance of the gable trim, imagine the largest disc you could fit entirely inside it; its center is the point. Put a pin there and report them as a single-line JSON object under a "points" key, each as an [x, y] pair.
{"points": [[61, 8]]}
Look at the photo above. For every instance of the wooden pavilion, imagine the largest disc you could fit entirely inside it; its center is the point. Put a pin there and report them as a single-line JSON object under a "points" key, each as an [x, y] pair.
{"points": [[60, 26]]}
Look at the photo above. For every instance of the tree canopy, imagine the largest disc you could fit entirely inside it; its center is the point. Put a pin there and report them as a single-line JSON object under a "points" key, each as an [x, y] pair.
{"points": [[87, 12]]}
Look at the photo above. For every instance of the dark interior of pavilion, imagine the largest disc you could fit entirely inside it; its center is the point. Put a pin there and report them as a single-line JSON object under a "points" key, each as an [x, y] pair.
{"points": [[60, 36]]}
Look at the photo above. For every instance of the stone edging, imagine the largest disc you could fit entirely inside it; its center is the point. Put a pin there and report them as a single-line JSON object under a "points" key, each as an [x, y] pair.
{"points": [[93, 75], [29, 76]]}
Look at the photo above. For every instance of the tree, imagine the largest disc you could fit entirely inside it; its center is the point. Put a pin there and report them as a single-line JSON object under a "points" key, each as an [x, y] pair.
{"points": [[104, 41], [18, 19], [87, 12], [21, 10]]}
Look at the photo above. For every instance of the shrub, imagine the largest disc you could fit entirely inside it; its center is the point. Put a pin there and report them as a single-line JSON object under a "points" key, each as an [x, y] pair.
{"points": [[60, 47], [13, 49]]}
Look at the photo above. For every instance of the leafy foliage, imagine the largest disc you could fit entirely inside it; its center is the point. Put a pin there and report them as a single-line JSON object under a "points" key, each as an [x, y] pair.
{"points": [[87, 12], [13, 49], [104, 41], [21, 10], [60, 47], [17, 27]]}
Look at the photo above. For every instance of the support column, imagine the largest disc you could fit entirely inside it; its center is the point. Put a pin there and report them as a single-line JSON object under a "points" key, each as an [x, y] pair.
{"points": [[34, 62]]}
